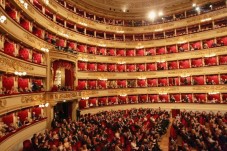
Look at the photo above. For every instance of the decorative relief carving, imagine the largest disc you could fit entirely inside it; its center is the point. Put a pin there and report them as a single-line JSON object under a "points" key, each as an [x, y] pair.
{"points": [[87, 93], [32, 98], [3, 103], [162, 89], [86, 56], [29, 38], [102, 75], [123, 59], [212, 88], [7, 63], [124, 91]]}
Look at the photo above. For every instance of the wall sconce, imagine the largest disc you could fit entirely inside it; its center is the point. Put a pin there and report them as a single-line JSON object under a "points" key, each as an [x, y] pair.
{"points": [[20, 73], [24, 3], [213, 93], [45, 49], [123, 94], [46, 2], [163, 93], [142, 78], [104, 79], [2, 19], [85, 98], [44, 105]]}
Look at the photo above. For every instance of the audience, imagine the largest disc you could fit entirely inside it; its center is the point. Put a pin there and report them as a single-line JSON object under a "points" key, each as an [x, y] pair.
{"points": [[134, 129], [201, 130]]}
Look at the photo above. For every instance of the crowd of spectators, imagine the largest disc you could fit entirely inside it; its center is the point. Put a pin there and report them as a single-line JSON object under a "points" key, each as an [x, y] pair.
{"points": [[200, 130], [134, 129]]}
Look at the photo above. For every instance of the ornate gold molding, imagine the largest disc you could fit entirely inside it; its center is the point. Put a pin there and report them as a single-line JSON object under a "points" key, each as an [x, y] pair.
{"points": [[3, 103], [32, 98], [7, 63]]}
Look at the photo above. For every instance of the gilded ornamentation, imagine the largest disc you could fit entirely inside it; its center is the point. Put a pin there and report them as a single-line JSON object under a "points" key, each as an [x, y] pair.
{"points": [[3, 102], [32, 98], [88, 93], [124, 91], [7, 63], [211, 88]]}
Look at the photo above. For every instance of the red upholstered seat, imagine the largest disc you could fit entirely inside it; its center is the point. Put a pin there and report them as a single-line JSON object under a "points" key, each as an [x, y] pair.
{"points": [[27, 145]]}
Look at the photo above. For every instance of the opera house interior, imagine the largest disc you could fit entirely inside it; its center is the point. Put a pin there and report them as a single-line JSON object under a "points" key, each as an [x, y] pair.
{"points": [[113, 75]]}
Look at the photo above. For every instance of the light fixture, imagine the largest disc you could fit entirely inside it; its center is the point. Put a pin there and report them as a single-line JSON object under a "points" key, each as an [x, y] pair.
{"points": [[185, 75], [24, 3], [66, 35], [64, 100], [160, 13], [2, 19], [123, 94], [120, 31], [210, 55], [20, 73], [181, 42], [158, 29], [122, 62], [44, 105], [84, 59], [152, 15], [139, 47], [85, 98], [104, 79], [102, 45], [206, 19], [197, 9], [161, 61], [194, 5], [211, 6], [46, 2], [45, 49], [142, 78], [213, 93], [163, 93], [84, 24]]}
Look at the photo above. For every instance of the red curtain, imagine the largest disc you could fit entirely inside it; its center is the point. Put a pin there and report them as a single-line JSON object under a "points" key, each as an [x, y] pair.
{"points": [[132, 99], [152, 82], [111, 67], [92, 102], [222, 60], [37, 111], [153, 97], [91, 66], [150, 51], [162, 82], [25, 24], [140, 52], [184, 64], [120, 52], [9, 48], [82, 66], [112, 100], [130, 67], [62, 64], [81, 85], [101, 51], [172, 65], [198, 62], [141, 82], [82, 104], [23, 83], [120, 67], [198, 80], [140, 67], [172, 49], [81, 48], [111, 52], [23, 115], [164, 98], [37, 57], [24, 53], [101, 67], [130, 52], [151, 66], [102, 101], [121, 83], [160, 50], [211, 61], [186, 97], [102, 84], [69, 78], [8, 119], [8, 82]]}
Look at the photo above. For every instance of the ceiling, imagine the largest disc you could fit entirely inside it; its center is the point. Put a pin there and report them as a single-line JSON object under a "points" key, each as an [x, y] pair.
{"points": [[135, 8]]}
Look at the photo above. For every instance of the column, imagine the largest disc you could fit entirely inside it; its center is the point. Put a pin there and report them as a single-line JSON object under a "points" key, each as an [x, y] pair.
{"points": [[0, 81], [74, 109], [49, 113], [49, 80], [75, 75]]}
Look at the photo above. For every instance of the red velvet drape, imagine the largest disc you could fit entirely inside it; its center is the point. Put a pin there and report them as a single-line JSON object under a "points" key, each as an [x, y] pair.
{"points": [[69, 78]]}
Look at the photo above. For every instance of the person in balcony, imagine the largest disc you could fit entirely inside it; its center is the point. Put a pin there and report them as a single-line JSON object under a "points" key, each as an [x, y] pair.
{"points": [[18, 123], [172, 99], [26, 121]]}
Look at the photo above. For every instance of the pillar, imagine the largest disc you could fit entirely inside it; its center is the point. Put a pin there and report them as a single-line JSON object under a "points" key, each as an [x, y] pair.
{"points": [[74, 109], [49, 113]]}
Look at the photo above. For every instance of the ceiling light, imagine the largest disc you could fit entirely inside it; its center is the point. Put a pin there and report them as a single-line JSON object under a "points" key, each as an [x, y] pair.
{"points": [[152, 15], [160, 13], [194, 5]]}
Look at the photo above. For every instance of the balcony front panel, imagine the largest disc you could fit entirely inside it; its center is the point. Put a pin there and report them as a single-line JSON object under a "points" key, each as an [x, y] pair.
{"points": [[10, 26], [153, 74], [60, 96], [56, 7], [55, 28], [154, 90], [12, 64], [146, 59], [10, 103]]}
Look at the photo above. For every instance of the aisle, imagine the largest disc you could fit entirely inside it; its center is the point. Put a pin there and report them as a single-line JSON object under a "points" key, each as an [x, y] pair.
{"points": [[164, 144]]}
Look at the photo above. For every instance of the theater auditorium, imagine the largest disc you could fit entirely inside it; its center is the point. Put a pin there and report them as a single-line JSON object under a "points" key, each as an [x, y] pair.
{"points": [[113, 75]]}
